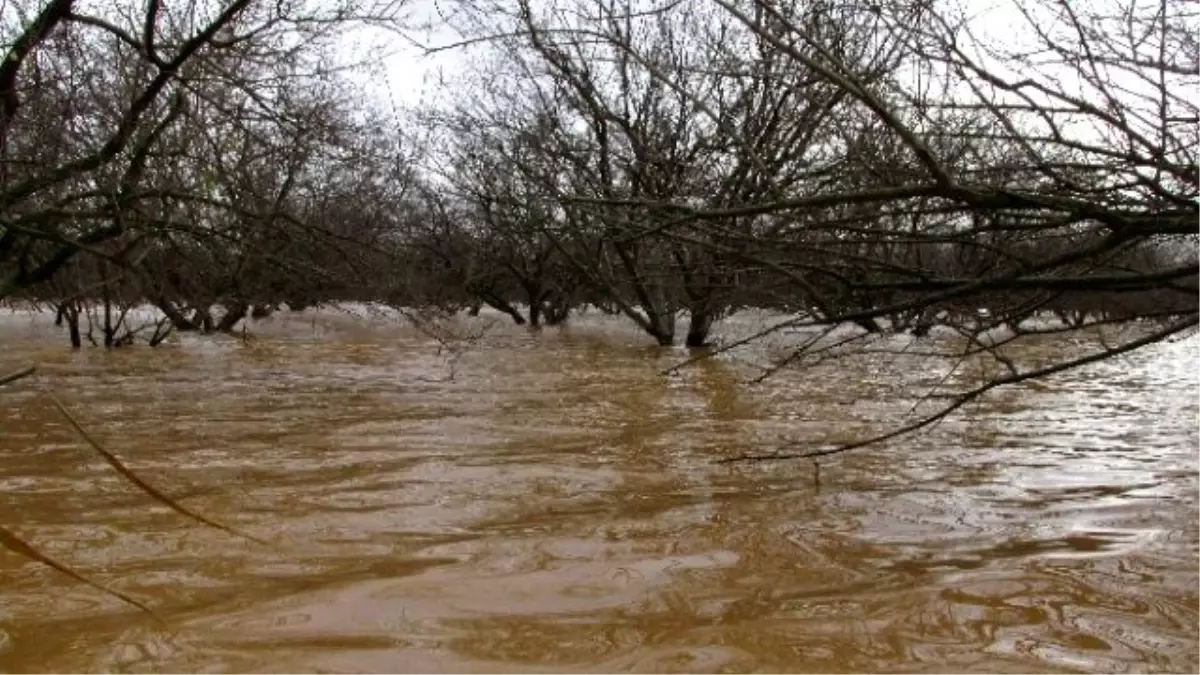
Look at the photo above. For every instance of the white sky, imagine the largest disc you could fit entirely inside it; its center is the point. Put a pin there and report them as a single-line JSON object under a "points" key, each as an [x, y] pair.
{"points": [[408, 73], [405, 75], [405, 78]]}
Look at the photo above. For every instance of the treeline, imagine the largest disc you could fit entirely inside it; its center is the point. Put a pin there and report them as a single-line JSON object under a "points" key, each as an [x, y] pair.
{"points": [[686, 161]]}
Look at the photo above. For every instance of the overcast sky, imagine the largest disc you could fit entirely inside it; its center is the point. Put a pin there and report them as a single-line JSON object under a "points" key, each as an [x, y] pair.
{"points": [[406, 78], [409, 73], [405, 74]]}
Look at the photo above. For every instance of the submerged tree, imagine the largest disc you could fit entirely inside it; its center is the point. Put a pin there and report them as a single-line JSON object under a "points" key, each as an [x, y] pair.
{"points": [[885, 163], [620, 118], [871, 162], [183, 153], [206, 153]]}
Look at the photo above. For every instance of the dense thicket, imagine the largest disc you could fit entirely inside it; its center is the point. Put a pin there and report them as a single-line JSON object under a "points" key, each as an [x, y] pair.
{"points": [[881, 162]]}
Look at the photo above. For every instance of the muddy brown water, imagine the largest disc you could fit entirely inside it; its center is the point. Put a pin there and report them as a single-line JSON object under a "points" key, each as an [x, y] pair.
{"points": [[548, 502]]}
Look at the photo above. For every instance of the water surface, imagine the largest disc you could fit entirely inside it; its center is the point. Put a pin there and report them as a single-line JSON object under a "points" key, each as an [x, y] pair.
{"points": [[549, 502]]}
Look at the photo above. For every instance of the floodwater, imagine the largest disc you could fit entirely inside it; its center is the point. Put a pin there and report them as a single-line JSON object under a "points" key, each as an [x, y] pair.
{"points": [[548, 502]]}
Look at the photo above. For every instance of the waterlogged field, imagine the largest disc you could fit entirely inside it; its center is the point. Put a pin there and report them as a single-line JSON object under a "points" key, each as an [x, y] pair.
{"points": [[548, 501]]}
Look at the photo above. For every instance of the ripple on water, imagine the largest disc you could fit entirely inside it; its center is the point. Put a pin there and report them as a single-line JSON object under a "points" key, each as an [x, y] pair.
{"points": [[547, 502]]}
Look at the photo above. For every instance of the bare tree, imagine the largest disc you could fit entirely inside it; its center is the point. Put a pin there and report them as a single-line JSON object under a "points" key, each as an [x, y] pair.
{"points": [[1074, 174], [869, 160], [209, 155], [626, 115]]}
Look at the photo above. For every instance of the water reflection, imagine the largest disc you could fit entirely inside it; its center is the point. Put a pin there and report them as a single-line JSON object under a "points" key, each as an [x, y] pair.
{"points": [[548, 502]]}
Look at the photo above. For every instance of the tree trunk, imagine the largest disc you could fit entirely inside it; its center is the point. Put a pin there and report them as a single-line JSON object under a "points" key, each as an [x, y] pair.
{"points": [[110, 330], [500, 304], [698, 328], [233, 315], [178, 321], [202, 317], [558, 309], [869, 325], [72, 317]]}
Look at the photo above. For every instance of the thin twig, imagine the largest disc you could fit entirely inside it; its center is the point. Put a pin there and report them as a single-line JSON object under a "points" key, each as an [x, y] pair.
{"points": [[967, 397], [132, 477], [20, 374], [16, 544]]}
